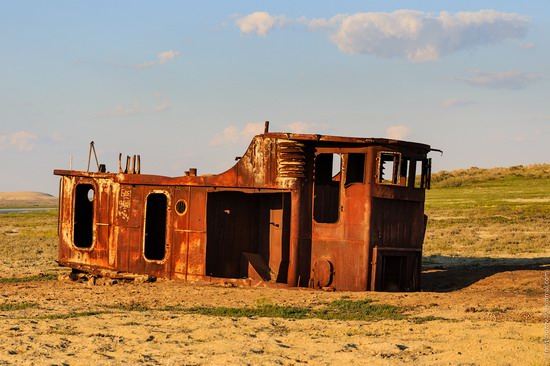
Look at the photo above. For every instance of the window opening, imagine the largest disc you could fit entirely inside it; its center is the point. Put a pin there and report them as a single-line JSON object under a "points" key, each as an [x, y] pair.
{"points": [[419, 175], [84, 216], [155, 226], [91, 195], [326, 202], [388, 168], [355, 170], [181, 207], [404, 172], [336, 167]]}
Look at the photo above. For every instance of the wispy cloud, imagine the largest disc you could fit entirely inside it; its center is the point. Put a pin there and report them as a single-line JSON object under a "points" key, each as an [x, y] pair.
{"points": [[166, 56], [260, 23], [19, 141], [455, 102], [399, 132], [145, 65], [162, 58], [57, 137], [301, 127], [414, 35], [136, 108], [233, 135], [501, 80]]}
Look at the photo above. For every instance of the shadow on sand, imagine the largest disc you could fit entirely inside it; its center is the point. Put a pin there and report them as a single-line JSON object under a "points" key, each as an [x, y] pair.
{"points": [[445, 274]]}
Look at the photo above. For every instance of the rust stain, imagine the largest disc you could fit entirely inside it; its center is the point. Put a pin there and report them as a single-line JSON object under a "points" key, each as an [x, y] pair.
{"points": [[302, 210]]}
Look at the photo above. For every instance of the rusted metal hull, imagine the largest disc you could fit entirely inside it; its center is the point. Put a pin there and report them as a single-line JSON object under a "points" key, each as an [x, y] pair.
{"points": [[295, 210]]}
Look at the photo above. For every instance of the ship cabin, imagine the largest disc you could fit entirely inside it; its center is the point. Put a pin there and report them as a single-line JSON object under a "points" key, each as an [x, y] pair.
{"points": [[296, 210]]}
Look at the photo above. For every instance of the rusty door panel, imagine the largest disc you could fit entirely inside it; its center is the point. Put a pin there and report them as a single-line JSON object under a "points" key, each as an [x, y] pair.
{"points": [[180, 216], [397, 223], [196, 252], [350, 272]]}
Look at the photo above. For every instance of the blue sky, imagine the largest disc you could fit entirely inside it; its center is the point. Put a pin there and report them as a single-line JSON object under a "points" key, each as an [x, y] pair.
{"points": [[187, 84]]}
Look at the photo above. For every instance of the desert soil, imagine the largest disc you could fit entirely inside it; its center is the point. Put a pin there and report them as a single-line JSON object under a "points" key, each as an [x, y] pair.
{"points": [[467, 314]]}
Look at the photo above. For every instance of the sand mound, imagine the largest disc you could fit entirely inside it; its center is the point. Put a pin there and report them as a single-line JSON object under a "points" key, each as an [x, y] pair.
{"points": [[25, 199]]}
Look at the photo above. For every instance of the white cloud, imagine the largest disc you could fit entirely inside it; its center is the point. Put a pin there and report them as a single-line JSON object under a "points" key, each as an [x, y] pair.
{"points": [[232, 134], [57, 137], [399, 132], [502, 80], [166, 56], [260, 23], [419, 36], [146, 65], [20, 141], [415, 35], [136, 108], [162, 57], [162, 106], [301, 127], [527, 45]]}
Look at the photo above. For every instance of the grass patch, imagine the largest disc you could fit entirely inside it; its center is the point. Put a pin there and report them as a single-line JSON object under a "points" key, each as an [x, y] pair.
{"points": [[132, 306], [425, 319], [13, 306], [364, 310], [358, 310], [40, 277], [75, 314], [488, 212], [267, 311], [29, 239]]}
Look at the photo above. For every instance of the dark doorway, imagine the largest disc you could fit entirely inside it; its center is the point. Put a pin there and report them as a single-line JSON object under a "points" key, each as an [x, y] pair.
{"points": [[155, 226], [248, 232], [84, 215], [392, 272]]}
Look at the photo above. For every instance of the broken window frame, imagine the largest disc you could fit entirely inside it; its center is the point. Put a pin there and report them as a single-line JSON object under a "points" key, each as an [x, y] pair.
{"points": [[420, 179], [334, 178], [418, 170], [396, 168], [348, 168]]}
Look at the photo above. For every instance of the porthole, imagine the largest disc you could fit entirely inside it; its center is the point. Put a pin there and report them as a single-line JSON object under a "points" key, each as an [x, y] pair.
{"points": [[181, 207]]}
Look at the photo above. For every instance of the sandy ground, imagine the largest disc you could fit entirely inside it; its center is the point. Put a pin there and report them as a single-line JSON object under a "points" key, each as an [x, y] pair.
{"points": [[467, 315]]}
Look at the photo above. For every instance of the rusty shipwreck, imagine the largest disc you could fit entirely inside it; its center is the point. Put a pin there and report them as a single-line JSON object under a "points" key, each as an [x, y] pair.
{"points": [[296, 210]]}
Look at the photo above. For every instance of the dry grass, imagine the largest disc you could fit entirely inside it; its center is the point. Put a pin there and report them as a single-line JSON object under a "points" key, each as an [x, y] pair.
{"points": [[489, 212], [28, 244], [474, 175]]}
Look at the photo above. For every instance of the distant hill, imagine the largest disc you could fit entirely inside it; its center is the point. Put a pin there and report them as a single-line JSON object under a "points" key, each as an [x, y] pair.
{"points": [[27, 199], [474, 176]]}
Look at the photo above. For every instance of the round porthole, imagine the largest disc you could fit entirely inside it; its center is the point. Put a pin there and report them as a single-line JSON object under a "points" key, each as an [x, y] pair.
{"points": [[181, 207]]}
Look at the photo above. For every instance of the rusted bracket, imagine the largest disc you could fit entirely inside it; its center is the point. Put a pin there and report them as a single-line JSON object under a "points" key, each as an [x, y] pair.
{"points": [[92, 149], [133, 164]]}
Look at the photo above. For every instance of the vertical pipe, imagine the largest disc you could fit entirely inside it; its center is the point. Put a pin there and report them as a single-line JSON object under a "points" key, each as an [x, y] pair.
{"points": [[294, 238]]}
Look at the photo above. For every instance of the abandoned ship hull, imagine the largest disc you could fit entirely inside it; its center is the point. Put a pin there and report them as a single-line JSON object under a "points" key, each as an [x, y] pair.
{"points": [[295, 210]]}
